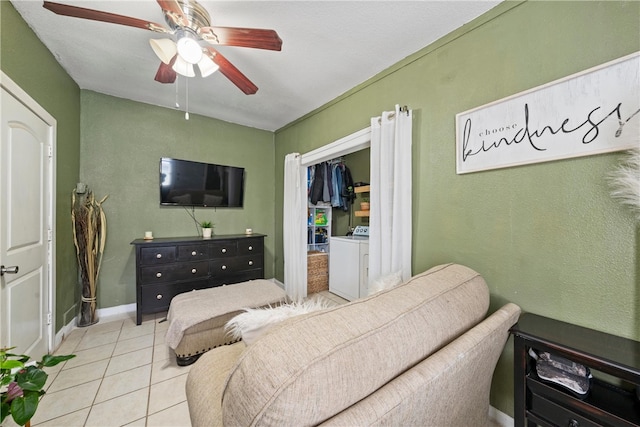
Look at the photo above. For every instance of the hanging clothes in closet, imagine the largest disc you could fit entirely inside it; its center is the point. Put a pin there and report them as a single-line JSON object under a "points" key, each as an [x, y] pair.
{"points": [[331, 182]]}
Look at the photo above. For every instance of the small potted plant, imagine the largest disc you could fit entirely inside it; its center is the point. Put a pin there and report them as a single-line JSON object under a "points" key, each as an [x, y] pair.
{"points": [[207, 228], [364, 204], [22, 383]]}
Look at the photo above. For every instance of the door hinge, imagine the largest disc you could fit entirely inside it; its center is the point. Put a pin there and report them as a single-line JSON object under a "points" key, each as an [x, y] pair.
{"points": [[49, 235], [48, 318], [50, 150]]}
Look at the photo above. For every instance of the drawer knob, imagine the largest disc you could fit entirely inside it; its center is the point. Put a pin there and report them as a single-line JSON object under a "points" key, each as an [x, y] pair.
{"points": [[158, 275], [194, 253], [158, 256], [159, 296], [224, 250], [250, 248], [573, 423], [224, 267], [194, 271], [250, 262]]}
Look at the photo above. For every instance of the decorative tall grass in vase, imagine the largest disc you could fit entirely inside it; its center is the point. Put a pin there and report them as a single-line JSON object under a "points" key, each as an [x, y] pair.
{"points": [[89, 237]]}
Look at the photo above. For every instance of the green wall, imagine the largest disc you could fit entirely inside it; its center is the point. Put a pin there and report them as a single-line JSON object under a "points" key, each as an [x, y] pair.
{"points": [[30, 65], [122, 142], [545, 236]]}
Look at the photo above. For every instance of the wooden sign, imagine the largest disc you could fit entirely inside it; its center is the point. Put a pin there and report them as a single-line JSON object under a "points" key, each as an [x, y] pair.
{"points": [[591, 112]]}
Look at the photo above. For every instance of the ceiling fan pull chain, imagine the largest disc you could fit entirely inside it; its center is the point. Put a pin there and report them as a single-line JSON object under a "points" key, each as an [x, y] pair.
{"points": [[186, 113], [177, 84]]}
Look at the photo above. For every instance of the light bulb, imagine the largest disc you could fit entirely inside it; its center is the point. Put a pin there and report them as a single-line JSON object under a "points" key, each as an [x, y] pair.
{"points": [[207, 66], [183, 67], [189, 50]]}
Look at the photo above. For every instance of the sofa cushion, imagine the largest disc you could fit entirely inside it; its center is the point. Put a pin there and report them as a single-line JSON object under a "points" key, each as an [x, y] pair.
{"points": [[311, 367]]}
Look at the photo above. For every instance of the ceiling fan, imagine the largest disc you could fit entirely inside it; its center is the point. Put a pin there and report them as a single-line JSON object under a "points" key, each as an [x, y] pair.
{"points": [[190, 23]]}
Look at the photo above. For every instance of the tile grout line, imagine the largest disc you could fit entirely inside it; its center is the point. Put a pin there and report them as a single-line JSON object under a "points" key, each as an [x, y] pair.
{"points": [[80, 337], [93, 401]]}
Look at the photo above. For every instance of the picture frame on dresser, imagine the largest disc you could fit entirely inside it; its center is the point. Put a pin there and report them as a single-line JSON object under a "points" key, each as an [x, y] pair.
{"points": [[166, 267]]}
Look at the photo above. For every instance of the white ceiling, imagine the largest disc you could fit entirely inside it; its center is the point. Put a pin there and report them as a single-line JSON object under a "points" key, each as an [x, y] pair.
{"points": [[328, 48]]}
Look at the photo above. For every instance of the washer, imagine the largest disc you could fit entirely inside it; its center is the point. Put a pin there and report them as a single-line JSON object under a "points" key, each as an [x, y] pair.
{"points": [[349, 266]]}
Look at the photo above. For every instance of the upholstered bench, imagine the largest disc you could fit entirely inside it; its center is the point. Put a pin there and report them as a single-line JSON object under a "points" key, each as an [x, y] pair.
{"points": [[197, 319]]}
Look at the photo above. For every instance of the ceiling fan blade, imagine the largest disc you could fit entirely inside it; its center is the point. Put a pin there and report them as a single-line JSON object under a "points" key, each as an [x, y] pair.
{"points": [[242, 37], [96, 15], [165, 73], [172, 9], [231, 72]]}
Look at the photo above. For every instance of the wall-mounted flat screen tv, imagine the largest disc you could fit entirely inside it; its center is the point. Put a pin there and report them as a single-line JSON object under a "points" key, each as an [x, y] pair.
{"points": [[188, 183]]}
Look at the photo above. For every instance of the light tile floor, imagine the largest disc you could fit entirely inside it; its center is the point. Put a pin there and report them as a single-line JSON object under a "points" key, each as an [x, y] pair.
{"points": [[122, 375]]}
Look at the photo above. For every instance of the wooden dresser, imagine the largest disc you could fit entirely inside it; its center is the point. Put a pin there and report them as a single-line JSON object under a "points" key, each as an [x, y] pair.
{"points": [[609, 403], [166, 267]]}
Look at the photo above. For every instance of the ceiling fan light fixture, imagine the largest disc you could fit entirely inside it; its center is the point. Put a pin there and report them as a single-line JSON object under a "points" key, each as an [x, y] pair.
{"points": [[207, 66], [183, 68], [190, 50], [165, 49]]}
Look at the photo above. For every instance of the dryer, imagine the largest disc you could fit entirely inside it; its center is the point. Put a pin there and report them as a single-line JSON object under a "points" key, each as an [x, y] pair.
{"points": [[349, 266]]}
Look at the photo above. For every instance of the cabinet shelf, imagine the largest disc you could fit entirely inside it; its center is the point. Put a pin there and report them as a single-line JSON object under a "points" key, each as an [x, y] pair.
{"points": [[362, 189], [318, 227]]}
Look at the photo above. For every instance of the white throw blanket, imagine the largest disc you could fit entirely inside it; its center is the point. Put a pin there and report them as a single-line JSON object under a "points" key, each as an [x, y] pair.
{"points": [[191, 308]]}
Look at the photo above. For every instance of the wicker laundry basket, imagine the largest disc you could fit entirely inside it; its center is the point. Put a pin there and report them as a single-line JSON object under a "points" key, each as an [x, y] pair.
{"points": [[317, 272]]}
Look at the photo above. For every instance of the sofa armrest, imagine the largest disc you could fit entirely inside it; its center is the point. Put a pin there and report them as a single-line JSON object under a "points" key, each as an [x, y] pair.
{"points": [[449, 388], [206, 382]]}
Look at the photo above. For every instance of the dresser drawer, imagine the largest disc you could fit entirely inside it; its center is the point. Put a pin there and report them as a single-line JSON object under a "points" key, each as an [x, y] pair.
{"points": [[172, 272], [558, 415], [231, 279], [193, 252], [158, 297], [223, 249], [250, 246], [157, 255], [222, 267]]}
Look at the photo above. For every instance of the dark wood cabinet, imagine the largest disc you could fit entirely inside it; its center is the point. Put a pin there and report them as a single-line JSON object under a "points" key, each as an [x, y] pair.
{"points": [[166, 267], [610, 402]]}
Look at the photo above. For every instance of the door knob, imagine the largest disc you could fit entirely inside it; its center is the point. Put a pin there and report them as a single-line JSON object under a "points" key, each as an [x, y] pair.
{"points": [[8, 270]]}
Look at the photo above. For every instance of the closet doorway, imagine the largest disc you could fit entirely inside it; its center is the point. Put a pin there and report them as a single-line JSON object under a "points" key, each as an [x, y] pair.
{"points": [[390, 192], [355, 142]]}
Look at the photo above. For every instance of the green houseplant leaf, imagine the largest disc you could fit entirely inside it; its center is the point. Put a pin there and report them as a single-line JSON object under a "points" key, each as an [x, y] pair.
{"points": [[31, 378], [24, 408], [22, 385], [49, 360]]}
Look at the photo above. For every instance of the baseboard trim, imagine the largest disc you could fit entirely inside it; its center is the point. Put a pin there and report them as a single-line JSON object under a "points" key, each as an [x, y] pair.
{"points": [[104, 314], [116, 313], [62, 333], [500, 418]]}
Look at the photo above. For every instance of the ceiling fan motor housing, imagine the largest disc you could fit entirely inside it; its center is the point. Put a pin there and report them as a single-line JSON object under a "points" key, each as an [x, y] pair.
{"points": [[195, 14]]}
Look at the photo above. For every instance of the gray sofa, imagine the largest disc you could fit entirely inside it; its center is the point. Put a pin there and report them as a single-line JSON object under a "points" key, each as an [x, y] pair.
{"points": [[422, 353]]}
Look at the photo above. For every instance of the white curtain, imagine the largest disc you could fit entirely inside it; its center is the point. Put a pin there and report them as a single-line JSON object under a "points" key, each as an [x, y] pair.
{"points": [[294, 228], [390, 196]]}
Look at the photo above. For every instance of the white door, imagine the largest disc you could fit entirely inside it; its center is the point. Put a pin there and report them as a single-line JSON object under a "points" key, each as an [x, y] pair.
{"points": [[26, 216]]}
